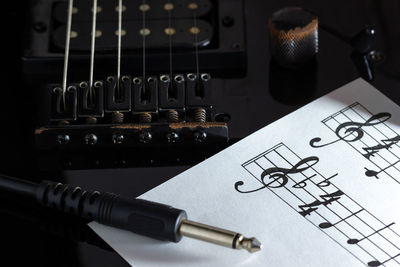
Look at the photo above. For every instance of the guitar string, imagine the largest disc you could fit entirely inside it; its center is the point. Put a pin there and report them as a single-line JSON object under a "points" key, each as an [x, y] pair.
{"points": [[66, 54], [344, 206], [119, 46], [196, 47], [92, 50], [170, 33], [144, 32]]}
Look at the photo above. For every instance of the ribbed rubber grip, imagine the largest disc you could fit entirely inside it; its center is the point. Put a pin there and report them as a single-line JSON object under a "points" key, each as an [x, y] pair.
{"points": [[139, 216]]}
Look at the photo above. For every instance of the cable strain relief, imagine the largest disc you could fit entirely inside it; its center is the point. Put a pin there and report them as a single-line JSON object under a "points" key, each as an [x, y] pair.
{"points": [[74, 200]]}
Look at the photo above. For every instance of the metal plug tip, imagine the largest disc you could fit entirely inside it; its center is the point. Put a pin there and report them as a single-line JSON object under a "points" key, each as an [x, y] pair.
{"points": [[218, 236], [250, 244]]}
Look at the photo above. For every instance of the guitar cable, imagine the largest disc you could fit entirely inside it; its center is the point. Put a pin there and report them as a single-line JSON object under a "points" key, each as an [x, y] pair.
{"points": [[139, 216]]}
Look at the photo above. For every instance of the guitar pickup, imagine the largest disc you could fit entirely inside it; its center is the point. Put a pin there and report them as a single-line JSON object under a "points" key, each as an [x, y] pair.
{"points": [[145, 94], [198, 90], [172, 92], [90, 100], [63, 106], [118, 95]]}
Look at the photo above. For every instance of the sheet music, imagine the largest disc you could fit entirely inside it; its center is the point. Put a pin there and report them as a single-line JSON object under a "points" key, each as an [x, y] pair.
{"points": [[319, 187]]}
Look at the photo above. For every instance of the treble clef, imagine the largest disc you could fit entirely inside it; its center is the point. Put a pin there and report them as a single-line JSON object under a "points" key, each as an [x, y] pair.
{"points": [[277, 177], [353, 131]]}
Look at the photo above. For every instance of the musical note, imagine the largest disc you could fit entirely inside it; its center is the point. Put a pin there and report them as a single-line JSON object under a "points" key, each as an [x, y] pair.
{"points": [[355, 241], [378, 263], [279, 175], [355, 128], [326, 225], [372, 173]]}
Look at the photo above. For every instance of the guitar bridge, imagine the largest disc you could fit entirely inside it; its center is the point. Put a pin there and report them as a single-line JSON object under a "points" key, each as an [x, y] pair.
{"points": [[158, 112]]}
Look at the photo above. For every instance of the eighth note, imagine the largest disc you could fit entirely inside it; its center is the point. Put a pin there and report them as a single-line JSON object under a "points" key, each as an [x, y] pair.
{"points": [[326, 225], [355, 241], [378, 263]]}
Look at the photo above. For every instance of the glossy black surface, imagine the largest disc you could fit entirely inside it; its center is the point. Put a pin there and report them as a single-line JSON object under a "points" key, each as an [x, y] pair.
{"points": [[28, 236]]}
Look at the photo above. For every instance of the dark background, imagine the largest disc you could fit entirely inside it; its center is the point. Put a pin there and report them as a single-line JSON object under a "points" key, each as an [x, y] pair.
{"points": [[32, 236]]}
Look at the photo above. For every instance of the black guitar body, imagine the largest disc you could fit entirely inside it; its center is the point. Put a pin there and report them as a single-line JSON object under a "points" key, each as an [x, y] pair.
{"points": [[216, 93]]}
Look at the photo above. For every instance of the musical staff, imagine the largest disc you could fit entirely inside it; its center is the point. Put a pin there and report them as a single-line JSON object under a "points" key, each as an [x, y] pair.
{"points": [[326, 225], [298, 183], [355, 241], [370, 135]]}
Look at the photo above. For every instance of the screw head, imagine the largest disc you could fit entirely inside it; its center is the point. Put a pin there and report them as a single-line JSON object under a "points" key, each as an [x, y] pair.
{"points": [[376, 56], [200, 136], [63, 139], [164, 78], [145, 137], [118, 139], [91, 139], [172, 137]]}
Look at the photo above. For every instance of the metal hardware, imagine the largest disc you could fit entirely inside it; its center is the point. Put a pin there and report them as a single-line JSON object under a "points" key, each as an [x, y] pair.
{"points": [[90, 139], [218, 236]]}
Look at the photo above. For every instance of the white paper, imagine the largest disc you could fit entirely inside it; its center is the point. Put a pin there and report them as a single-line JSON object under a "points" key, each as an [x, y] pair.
{"points": [[364, 204]]}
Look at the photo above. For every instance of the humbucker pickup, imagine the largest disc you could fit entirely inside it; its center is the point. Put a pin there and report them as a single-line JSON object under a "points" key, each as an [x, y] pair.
{"points": [[108, 10], [157, 35]]}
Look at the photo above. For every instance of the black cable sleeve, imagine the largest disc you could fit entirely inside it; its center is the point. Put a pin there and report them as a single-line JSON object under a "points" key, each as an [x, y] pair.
{"points": [[136, 215], [139, 216], [17, 186]]}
